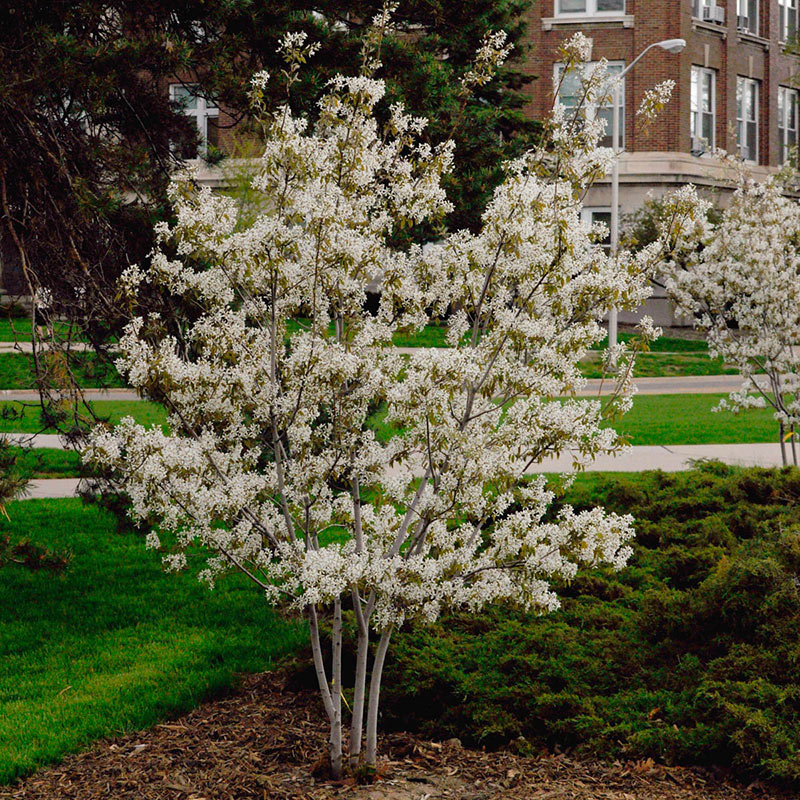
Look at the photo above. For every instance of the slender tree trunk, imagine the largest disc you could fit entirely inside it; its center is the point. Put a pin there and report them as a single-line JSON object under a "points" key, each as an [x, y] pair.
{"points": [[360, 689], [783, 445], [336, 691], [794, 446], [322, 678], [374, 698]]}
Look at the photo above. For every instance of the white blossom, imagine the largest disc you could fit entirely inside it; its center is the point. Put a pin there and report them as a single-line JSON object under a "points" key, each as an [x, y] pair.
{"points": [[269, 456], [740, 281]]}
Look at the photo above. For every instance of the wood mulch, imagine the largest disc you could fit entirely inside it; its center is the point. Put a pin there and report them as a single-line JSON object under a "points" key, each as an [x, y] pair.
{"points": [[267, 741]]}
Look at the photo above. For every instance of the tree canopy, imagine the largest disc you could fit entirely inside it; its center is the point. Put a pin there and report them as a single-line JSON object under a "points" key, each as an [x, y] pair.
{"points": [[88, 134]]}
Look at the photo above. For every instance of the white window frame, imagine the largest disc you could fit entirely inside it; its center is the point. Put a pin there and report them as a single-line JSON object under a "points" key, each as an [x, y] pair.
{"points": [[788, 99], [787, 20], [747, 15], [752, 87], [590, 109], [695, 105], [204, 110], [590, 10]]}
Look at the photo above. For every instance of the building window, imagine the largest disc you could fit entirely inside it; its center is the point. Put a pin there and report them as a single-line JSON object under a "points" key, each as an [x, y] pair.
{"points": [[787, 20], [787, 123], [205, 113], [709, 11], [703, 117], [570, 95], [589, 8], [747, 118], [747, 16], [593, 216]]}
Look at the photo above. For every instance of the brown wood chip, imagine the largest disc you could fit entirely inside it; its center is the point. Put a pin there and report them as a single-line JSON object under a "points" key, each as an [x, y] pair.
{"points": [[264, 740]]}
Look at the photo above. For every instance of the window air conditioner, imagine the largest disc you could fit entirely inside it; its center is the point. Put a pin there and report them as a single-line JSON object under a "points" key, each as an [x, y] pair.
{"points": [[744, 152], [719, 15], [698, 146], [743, 24]]}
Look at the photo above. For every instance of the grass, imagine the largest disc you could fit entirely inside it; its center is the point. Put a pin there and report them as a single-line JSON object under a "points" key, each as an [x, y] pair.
{"points": [[663, 365], [19, 329], [664, 344], [18, 417], [434, 335], [669, 357], [46, 462], [16, 370], [113, 644], [673, 419], [668, 419]]}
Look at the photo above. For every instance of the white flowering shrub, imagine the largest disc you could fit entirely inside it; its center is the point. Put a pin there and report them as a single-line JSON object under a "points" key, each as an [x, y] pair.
{"points": [[271, 465], [740, 280]]}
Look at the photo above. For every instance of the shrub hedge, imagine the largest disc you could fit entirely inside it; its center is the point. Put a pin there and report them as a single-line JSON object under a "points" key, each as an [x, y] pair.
{"points": [[689, 655]]}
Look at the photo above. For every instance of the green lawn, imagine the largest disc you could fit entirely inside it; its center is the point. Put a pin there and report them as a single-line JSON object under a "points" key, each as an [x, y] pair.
{"points": [[664, 344], [663, 365], [667, 419], [17, 417], [670, 419], [113, 644], [16, 371], [19, 329], [45, 462]]}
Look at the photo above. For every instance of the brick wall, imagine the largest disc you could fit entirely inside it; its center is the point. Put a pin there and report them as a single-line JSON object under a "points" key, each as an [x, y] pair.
{"points": [[718, 47]]}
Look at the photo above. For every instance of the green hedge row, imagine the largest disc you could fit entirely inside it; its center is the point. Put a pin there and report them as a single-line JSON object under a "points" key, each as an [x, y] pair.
{"points": [[689, 655]]}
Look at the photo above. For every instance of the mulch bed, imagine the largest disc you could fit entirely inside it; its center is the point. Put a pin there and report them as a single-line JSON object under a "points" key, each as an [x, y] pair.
{"points": [[267, 740]]}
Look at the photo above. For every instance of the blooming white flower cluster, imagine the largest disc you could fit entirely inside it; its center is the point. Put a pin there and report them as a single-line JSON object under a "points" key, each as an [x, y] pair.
{"points": [[740, 280], [271, 462], [654, 100], [490, 56]]}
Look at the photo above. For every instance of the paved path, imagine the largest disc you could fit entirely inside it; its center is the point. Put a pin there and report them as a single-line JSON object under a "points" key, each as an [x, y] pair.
{"points": [[27, 347], [689, 384], [50, 440], [52, 487], [692, 384], [32, 395], [668, 459]]}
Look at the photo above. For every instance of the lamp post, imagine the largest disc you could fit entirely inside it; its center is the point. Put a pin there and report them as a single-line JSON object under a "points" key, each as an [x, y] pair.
{"points": [[671, 46]]}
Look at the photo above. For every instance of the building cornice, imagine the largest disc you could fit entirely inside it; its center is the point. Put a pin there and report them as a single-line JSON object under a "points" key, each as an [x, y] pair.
{"points": [[675, 168]]}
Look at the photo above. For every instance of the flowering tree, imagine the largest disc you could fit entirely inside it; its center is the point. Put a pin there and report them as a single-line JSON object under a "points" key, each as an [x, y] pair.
{"points": [[271, 463], [740, 279]]}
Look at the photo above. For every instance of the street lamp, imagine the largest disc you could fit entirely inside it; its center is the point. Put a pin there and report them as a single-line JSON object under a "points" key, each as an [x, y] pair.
{"points": [[671, 46]]}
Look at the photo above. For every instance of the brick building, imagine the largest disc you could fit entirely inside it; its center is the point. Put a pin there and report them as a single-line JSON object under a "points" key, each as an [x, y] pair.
{"points": [[734, 88]]}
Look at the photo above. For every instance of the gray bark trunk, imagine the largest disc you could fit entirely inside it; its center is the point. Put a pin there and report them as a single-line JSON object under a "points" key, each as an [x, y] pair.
{"points": [[374, 699], [360, 689], [336, 692]]}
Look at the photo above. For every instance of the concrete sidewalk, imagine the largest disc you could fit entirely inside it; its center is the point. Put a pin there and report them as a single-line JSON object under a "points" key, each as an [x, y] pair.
{"points": [[37, 440], [693, 384], [636, 459], [32, 395], [689, 384]]}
